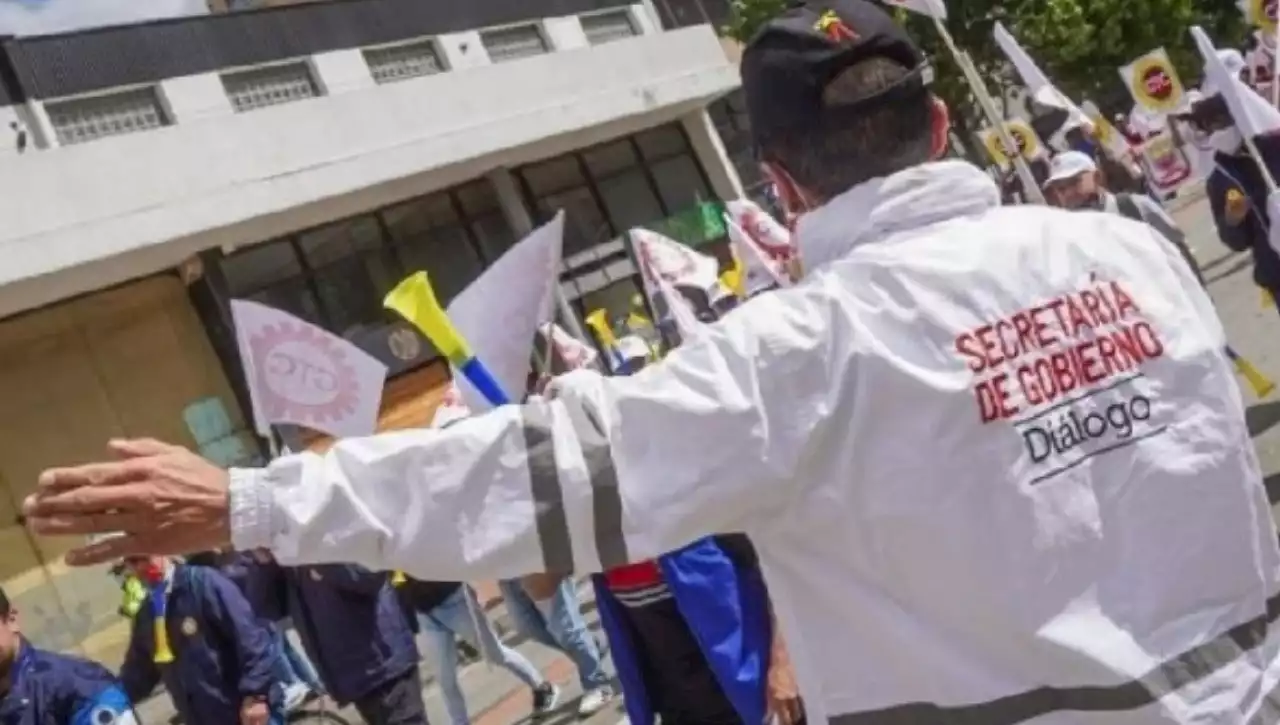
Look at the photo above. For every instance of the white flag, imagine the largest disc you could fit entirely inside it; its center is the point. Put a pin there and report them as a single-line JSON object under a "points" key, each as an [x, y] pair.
{"points": [[452, 408], [302, 375], [682, 313], [765, 248], [932, 8], [664, 258], [762, 273], [1251, 112], [501, 311], [1041, 88], [565, 351]]}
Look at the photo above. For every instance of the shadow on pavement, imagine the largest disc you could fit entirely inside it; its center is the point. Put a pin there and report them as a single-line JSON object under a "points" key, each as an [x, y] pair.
{"points": [[1272, 484], [1238, 265], [1219, 261], [1262, 418]]}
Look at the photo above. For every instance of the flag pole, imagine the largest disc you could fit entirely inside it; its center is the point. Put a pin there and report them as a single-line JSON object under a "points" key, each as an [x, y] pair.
{"points": [[988, 105]]}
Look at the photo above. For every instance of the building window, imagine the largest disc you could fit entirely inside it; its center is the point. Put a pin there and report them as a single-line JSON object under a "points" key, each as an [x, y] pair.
{"points": [[77, 120], [651, 180], [269, 86], [431, 235], [607, 27], [336, 275], [514, 43], [400, 62]]}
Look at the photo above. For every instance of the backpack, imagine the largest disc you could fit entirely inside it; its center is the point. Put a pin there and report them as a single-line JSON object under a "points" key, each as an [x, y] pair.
{"points": [[1129, 207]]}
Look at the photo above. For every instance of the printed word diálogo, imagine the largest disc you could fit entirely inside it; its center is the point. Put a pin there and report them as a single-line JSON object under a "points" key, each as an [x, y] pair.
{"points": [[302, 376], [1067, 373]]}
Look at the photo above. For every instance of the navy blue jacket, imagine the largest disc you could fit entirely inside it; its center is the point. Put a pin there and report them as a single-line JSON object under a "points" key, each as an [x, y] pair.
{"points": [[223, 653], [53, 689], [1241, 172], [349, 619]]}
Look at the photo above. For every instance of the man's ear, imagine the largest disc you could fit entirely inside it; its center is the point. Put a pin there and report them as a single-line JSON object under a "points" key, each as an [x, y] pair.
{"points": [[791, 197], [940, 128]]}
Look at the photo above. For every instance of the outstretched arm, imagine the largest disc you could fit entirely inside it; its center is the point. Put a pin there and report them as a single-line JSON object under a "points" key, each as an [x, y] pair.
{"points": [[607, 471]]}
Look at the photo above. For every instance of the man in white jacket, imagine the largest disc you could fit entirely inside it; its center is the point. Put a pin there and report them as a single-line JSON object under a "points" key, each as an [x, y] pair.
{"points": [[993, 459]]}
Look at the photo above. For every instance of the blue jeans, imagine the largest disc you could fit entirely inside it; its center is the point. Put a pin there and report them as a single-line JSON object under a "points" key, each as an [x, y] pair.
{"points": [[451, 618], [294, 665], [566, 631]]}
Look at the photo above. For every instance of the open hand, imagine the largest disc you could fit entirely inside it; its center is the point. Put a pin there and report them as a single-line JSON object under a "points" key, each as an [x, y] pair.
{"points": [[160, 499]]}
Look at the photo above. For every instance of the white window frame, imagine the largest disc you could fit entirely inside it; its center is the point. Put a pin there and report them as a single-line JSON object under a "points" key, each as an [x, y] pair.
{"points": [[623, 12], [163, 113], [305, 63], [547, 46], [430, 42]]}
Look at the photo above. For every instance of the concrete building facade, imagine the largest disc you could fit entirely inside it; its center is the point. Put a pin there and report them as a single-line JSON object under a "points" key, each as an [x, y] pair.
{"points": [[307, 157]]}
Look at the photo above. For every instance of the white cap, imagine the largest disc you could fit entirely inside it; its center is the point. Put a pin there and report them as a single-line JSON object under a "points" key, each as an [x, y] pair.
{"points": [[630, 348], [1068, 165]]}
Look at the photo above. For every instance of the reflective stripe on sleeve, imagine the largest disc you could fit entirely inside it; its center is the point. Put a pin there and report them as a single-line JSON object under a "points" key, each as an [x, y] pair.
{"points": [[548, 498], [606, 498], [1195, 664]]}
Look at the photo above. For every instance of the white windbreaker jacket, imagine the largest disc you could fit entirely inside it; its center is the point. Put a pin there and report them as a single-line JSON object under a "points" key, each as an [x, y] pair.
{"points": [[993, 459]]}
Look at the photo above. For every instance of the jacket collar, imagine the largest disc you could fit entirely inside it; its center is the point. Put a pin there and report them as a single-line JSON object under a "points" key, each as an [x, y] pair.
{"points": [[918, 197]]}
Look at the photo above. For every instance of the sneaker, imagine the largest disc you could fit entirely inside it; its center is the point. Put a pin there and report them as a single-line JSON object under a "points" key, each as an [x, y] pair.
{"points": [[545, 698], [295, 696], [594, 701]]}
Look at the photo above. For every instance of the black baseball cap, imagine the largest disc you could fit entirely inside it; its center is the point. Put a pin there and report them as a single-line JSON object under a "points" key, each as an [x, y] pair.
{"points": [[788, 64]]}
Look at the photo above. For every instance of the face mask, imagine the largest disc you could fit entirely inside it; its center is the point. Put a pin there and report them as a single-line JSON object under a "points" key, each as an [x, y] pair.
{"points": [[1226, 141]]}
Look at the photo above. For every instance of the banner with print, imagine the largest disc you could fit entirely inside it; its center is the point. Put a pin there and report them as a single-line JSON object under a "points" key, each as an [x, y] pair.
{"points": [[660, 257], [1028, 143], [300, 374], [1168, 167], [1153, 82]]}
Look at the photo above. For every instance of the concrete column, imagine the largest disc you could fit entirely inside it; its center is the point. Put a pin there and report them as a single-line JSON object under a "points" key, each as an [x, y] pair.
{"points": [[40, 126], [191, 98], [647, 13], [710, 152], [463, 50], [521, 222], [564, 33], [340, 71]]}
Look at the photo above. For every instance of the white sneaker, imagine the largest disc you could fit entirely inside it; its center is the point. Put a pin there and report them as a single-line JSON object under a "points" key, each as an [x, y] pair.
{"points": [[295, 696], [595, 701]]}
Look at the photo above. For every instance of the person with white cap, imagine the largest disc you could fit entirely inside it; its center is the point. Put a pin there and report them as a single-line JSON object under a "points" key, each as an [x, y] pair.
{"points": [[993, 459], [1075, 183]]}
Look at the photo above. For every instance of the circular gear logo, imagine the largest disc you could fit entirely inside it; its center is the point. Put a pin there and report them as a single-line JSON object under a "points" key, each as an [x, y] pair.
{"points": [[302, 376]]}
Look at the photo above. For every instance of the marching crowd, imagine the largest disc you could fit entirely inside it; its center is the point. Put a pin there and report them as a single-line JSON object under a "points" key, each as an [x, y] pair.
{"points": [[925, 561]]}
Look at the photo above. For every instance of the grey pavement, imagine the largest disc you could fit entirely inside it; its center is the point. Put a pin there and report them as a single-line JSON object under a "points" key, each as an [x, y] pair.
{"points": [[1252, 329]]}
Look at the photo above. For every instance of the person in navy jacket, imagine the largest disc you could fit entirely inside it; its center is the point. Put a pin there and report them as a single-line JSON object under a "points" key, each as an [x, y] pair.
{"points": [[43, 688], [198, 635], [356, 634]]}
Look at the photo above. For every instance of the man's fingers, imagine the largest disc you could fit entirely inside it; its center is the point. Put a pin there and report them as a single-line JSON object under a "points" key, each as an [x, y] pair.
{"points": [[107, 550], [94, 474], [133, 497], [140, 447], [92, 523]]}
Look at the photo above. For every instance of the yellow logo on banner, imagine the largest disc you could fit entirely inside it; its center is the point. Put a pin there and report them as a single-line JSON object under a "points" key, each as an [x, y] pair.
{"points": [[1023, 136], [1262, 14], [1154, 83]]}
